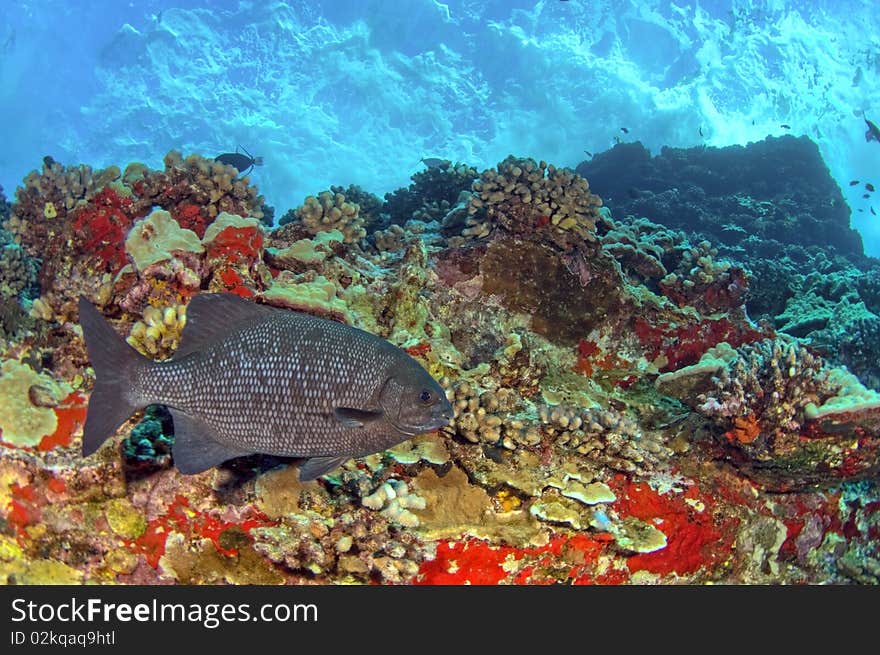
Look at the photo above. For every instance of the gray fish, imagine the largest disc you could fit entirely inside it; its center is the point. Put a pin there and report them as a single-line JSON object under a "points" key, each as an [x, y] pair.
{"points": [[873, 132], [435, 162], [250, 378]]}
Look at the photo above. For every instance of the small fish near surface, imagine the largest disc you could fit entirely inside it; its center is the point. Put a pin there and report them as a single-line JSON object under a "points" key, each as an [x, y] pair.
{"points": [[853, 182], [435, 162], [869, 187], [243, 162], [873, 132], [785, 126], [250, 378]]}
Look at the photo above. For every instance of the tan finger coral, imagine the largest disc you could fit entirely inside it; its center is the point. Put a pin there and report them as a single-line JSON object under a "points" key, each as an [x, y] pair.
{"points": [[331, 211], [522, 195], [157, 334]]}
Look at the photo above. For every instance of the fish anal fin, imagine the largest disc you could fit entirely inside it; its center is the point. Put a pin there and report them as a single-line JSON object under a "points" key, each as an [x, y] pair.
{"points": [[355, 418], [318, 466], [196, 447]]}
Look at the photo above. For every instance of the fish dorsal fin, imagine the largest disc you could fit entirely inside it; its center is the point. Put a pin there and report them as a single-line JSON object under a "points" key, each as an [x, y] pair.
{"points": [[211, 316], [318, 466], [196, 447], [355, 418]]}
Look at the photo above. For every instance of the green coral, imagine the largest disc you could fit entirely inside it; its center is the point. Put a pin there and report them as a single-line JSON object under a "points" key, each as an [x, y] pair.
{"points": [[151, 440]]}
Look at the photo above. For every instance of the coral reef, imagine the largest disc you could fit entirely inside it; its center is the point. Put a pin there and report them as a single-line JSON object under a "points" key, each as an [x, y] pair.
{"points": [[522, 195], [619, 419], [330, 211], [774, 216], [432, 194]]}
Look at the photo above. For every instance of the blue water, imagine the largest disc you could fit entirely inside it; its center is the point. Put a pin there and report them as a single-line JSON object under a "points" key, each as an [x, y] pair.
{"points": [[357, 91]]}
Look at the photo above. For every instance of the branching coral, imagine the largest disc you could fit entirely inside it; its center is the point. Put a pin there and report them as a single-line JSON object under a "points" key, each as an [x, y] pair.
{"points": [[331, 211], [195, 190], [18, 271], [430, 196], [504, 419], [764, 391], [523, 196], [157, 334], [666, 262]]}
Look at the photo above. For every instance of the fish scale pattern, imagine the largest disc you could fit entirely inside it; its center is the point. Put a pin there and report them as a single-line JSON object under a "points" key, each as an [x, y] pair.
{"points": [[271, 386]]}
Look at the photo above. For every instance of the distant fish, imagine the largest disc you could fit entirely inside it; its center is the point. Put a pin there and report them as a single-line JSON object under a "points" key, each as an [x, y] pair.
{"points": [[873, 132], [869, 187], [701, 130], [853, 182], [785, 126], [624, 130], [251, 378], [866, 195], [753, 121], [617, 140], [861, 210], [873, 212], [435, 162], [588, 153], [242, 162]]}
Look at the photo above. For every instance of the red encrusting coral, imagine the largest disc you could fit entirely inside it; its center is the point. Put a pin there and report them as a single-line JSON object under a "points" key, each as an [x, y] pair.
{"points": [[695, 537], [193, 524], [191, 217], [71, 415], [234, 283], [100, 228], [237, 244], [25, 507], [683, 345], [477, 562]]}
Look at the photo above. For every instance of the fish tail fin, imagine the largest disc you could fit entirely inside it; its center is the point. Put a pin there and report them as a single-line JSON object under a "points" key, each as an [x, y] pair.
{"points": [[114, 399]]}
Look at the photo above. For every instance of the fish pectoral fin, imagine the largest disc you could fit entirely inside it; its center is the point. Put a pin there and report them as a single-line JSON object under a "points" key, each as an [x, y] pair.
{"points": [[318, 466], [196, 447], [355, 418]]}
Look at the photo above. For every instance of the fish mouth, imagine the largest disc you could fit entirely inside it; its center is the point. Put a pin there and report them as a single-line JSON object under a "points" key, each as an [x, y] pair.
{"points": [[440, 419]]}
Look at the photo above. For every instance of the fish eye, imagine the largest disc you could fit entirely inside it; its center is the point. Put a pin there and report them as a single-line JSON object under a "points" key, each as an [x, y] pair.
{"points": [[426, 396]]}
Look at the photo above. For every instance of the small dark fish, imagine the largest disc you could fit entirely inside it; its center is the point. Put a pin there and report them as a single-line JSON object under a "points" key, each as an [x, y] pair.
{"points": [[873, 132], [701, 130], [753, 121], [242, 162], [785, 126], [853, 182], [869, 187], [873, 212], [588, 153], [250, 378], [617, 140], [861, 210], [866, 195], [624, 130], [435, 162]]}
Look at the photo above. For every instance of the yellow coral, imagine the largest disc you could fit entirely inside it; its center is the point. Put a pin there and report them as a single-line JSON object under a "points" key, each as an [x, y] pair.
{"points": [[21, 421], [49, 210], [157, 335]]}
